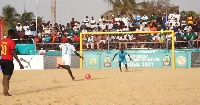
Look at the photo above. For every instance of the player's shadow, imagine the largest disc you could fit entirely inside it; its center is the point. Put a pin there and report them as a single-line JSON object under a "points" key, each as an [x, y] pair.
{"points": [[44, 89], [89, 79], [133, 71]]}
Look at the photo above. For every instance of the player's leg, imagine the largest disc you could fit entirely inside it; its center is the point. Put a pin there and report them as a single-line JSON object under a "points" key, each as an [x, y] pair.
{"points": [[6, 79], [120, 66], [70, 72], [125, 63]]}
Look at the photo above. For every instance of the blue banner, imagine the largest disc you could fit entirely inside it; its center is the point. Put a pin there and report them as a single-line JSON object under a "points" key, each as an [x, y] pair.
{"points": [[140, 60], [25, 49]]}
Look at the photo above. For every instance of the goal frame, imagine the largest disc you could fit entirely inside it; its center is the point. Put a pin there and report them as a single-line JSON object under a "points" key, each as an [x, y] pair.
{"points": [[132, 32]]}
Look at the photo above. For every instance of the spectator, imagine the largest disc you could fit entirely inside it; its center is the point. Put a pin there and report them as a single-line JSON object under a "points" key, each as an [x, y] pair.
{"points": [[101, 20], [18, 29], [125, 19], [93, 23], [118, 19], [68, 27], [192, 36], [72, 23], [27, 33], [22, 34], [64, 39], [137, 19], [86, 22]]}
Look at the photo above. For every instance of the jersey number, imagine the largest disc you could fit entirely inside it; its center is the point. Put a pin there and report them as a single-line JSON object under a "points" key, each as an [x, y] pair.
{"points": [[3, 49], [66, 50]]}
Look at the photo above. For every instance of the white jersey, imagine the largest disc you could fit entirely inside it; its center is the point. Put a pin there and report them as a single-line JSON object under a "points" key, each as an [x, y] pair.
{"points": [[66, 52]]}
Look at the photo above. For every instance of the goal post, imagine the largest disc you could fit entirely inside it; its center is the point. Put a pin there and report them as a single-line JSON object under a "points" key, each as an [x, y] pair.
{"points": [[130, 32]]}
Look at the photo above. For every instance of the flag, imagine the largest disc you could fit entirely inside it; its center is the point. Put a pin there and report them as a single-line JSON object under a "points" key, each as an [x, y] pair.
{"points": [[25, 20], [1, 28]]}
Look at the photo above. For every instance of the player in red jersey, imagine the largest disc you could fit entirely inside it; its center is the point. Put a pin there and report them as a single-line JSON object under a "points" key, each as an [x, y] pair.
{"points": [[7, 53]]}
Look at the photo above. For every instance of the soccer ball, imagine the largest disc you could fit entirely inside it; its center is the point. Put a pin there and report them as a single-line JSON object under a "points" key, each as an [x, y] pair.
{"points": [[87, 76]]}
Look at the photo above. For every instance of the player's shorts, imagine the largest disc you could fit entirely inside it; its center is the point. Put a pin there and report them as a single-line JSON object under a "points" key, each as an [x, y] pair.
{"points": [[7, 66], [66, 59], [123, 61]]}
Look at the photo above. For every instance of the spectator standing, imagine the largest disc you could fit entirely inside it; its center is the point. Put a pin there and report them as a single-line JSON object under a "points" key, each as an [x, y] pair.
{"points": [[101, 20], [93, 23], [18, 29], [86, 22], [72, 23], [126, 20]]}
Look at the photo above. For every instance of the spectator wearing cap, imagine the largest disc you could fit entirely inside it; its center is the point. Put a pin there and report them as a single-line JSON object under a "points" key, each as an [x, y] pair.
{"points": [[18, 29]]}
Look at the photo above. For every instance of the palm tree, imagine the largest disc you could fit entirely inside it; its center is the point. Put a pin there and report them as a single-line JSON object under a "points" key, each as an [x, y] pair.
{"points": [[122, 7], [10, 16], [26, 17]]}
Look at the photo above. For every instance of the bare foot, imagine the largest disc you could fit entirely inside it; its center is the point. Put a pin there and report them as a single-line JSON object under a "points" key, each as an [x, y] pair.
{"points": [[58, 66], [120, 70], [73, 78], [126, 70], [7, 94]]}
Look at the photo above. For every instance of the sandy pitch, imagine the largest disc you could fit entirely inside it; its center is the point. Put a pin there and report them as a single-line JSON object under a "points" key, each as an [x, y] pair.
{"points": [[106, 87]]}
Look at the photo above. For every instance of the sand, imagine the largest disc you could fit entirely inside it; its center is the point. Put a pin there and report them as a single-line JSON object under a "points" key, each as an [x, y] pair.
{"points": [[106, 87]]}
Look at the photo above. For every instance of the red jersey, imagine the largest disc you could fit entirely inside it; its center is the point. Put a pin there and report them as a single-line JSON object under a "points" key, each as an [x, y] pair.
{"points": [[7, 45]]}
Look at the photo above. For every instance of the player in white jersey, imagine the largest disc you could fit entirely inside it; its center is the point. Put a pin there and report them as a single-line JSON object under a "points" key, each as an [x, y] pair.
{"points": [[67, 49]]}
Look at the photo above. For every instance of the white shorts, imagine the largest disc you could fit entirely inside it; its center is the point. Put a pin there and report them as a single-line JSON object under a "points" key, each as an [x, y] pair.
{"points": [[66, 59]]}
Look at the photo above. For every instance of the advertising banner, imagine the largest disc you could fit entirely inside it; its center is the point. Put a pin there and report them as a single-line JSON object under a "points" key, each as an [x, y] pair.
{"points": [[30, 62], [2, 28], [140, 60]]}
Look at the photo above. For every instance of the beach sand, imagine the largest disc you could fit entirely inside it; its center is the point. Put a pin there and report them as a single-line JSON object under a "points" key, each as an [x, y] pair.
{"points": [[106, 87]]}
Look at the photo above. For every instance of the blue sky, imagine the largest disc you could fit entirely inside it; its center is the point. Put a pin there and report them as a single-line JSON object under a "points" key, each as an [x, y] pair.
{"points": [[78, 9]]}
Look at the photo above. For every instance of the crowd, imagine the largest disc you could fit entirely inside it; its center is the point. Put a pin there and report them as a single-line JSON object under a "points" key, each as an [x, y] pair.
{"points": [[186, 30]]}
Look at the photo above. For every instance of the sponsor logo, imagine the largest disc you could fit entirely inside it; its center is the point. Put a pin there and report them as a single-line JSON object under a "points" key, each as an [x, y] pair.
{"points": [[107, 62], [181, 60], [25, 62], [93, 61], [166, 60]]}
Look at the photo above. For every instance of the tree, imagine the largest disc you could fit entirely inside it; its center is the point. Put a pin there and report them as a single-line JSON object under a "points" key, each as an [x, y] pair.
{"points": [[10, 16], [122, 7], [26, 18]]}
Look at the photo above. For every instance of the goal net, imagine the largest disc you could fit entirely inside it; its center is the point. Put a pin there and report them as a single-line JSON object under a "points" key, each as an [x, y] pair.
{"points": [[92, 42]]}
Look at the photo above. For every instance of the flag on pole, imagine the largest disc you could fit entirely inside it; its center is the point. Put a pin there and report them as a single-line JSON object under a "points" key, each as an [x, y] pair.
{"points": [[1, 28]]}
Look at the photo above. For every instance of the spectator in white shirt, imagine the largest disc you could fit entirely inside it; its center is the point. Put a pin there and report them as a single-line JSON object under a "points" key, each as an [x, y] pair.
{"points": [[93, 23], [125, 19], [27, 33], [86, 21]]}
